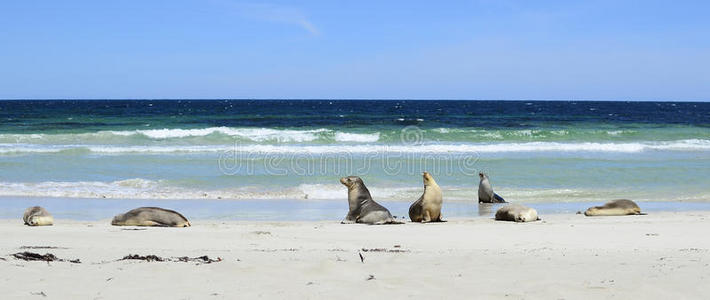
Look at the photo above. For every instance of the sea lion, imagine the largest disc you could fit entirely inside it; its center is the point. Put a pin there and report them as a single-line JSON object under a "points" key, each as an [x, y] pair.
{"points": [[428, 207], [151, 216], [619, 207], [37, 216], [362, 209], [485, 191], [516, 213]]}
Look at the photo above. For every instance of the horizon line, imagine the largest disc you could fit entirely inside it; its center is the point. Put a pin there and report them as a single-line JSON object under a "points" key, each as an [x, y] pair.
{"points": [[342, 99]]}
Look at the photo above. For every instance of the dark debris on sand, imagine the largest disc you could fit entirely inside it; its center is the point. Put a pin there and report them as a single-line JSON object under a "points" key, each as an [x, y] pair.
{"points": [[200, 259], [150, 258], [42, 247], [385, 250], [31, 256]]}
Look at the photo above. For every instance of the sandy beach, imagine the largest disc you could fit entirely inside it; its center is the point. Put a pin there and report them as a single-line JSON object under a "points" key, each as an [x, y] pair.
{"points": [[655, 256]]}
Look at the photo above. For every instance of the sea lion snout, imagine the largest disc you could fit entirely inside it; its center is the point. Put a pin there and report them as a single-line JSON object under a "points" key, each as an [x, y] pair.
{"points": [[346, 182], [350, 181]]}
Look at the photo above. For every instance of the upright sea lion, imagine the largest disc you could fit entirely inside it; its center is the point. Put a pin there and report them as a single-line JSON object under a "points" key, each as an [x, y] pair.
{"points": [[620, 207], [151, 216], [485, 191], [37, 216], [428, 207], [516, 213], [362, 209]]}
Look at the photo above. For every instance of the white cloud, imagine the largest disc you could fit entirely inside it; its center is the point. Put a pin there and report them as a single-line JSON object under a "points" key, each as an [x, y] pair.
{"points": [[273, 13]]}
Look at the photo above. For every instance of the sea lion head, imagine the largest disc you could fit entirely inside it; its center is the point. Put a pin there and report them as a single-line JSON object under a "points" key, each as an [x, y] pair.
{"points": [[592, 211], [351, 181], [428, 179], [33, 220], [40, 220], [526, 216], [482, 175], [118, 219]]}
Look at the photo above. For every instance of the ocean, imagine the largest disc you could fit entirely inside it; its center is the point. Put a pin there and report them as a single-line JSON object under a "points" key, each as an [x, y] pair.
{"points": [[281, 159]]}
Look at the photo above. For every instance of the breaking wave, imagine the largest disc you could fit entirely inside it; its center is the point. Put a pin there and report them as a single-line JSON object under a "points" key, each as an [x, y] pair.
{"points": [[635, 147]]}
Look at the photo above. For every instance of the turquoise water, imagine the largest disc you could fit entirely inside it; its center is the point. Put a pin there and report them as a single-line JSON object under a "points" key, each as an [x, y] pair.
{"points": [[232, 155]]}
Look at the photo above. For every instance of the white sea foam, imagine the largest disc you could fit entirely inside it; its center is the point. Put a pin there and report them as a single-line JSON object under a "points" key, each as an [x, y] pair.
{"points": [[559, 132], [357, 137], [681, 145], [138, 188], [132, 188], [246, 134]]}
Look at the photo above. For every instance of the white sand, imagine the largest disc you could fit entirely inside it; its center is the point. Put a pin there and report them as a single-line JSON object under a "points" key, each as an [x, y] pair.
{"points": [[658, 256]]}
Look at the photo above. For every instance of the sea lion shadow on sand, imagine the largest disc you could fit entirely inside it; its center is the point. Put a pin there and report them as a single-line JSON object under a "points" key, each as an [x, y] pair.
{"points": [[362, 209]]}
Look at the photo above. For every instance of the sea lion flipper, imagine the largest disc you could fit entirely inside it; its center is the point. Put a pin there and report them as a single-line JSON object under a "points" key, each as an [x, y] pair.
{"points": [[415, 210], [150, 223], [427, 217], [499, 198]]}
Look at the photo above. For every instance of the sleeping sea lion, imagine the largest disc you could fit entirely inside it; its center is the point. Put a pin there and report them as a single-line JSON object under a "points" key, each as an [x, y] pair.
{"points": [[151, 216], [619, 207], [516, 213], [37, 216], [362, 209], [428, 207]]}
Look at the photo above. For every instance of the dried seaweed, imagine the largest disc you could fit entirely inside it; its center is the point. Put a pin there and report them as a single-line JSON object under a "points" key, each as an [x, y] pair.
{"points": [[42, 247], [148, 258], [385, 250], [31, 256], [151, 258], [200, 259]]}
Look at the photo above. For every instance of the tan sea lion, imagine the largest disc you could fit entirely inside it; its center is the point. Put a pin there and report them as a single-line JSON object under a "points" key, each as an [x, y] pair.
{"points": [[428, 207], [619, 207], [485, 191], [37, 216], [151, 216], [516, 213], [362, 209]]}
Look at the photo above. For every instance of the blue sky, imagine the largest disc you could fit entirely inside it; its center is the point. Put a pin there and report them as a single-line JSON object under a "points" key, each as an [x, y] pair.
{"points": [[603, 50]]}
